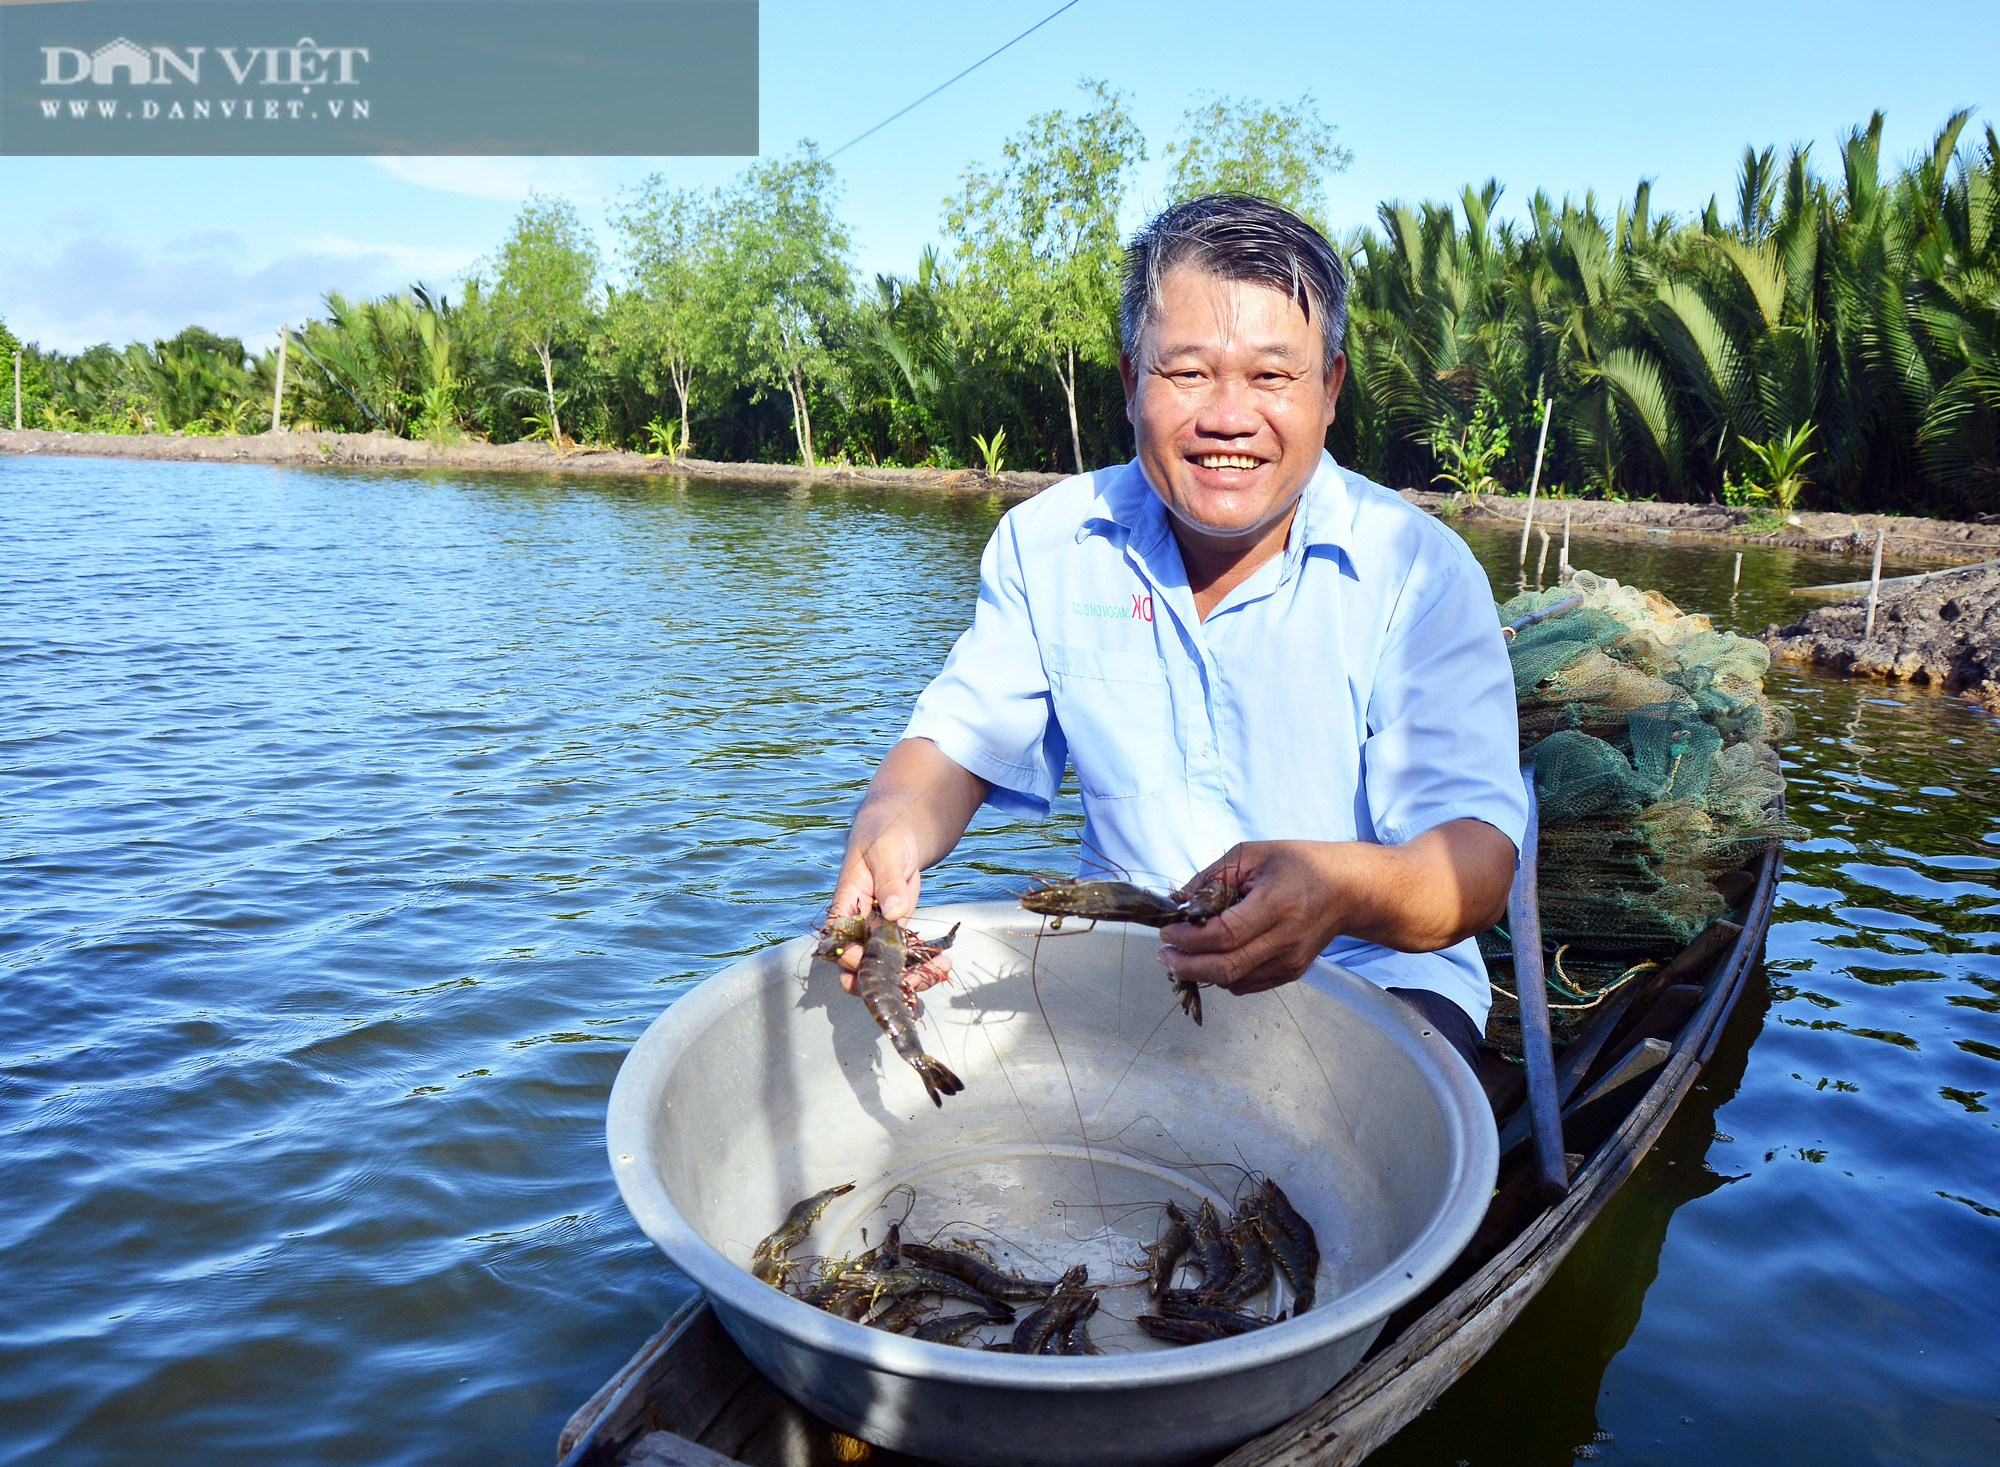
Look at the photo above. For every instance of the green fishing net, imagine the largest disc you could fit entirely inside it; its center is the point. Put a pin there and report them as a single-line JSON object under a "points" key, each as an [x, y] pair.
{"points": [[1656, 773]]}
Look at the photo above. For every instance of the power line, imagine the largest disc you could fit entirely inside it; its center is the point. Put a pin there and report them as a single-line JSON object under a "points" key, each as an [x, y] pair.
{"points": [[960, 77]]}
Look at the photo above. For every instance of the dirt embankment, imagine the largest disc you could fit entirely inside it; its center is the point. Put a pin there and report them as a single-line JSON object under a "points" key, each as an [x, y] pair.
{"points": [[1837, 534], [1943, 631], [1906, 538], [385, 451]]}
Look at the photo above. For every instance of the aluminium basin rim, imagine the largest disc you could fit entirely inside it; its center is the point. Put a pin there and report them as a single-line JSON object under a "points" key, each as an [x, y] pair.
{"points": [[1474, 1152]]}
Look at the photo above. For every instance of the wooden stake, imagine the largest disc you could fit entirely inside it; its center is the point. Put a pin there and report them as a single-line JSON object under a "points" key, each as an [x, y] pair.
{"points": [[1521, 563], [17, 392], [278, 387], [1563, 566], [1736, 579], [1542, 564], [1874, 587]]}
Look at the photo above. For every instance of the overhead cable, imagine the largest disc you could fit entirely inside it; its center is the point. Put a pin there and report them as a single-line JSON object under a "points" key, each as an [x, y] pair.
{"points": [[960, 77]]}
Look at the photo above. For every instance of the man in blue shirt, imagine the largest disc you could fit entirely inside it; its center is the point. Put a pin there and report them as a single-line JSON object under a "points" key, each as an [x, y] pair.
{"points": [[1254, 659]]}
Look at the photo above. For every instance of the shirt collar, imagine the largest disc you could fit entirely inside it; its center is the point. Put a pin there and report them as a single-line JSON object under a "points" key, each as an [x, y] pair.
{"points": [[1124, 498]]}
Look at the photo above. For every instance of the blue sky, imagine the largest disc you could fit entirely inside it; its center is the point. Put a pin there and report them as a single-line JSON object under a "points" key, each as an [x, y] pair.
{"points": [[1427, 97]]}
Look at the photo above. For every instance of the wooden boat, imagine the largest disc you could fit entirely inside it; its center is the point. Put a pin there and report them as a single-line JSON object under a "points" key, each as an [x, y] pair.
{"points": [[688, 1398]]}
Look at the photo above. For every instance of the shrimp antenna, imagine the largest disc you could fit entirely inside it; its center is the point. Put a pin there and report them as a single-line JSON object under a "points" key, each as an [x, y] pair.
{"points": [[909, 1206], [1099, 859], [1104, 862], [1186, 1159], [1125, 1209], [1002, 1238], [1202, 1166], [1137, 1055], [1082, 1130], [1250, 1173]]}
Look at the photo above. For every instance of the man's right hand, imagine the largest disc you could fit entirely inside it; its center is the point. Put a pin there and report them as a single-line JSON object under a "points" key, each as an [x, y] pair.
{"points": [[917, 806], [886, 873]]}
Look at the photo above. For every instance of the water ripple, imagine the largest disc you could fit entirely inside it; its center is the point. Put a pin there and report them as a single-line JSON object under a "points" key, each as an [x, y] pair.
{"points": [[357, 823]]}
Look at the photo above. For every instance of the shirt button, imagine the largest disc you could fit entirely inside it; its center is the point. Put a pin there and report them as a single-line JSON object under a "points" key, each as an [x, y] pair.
{"points": [[1206, 751]]}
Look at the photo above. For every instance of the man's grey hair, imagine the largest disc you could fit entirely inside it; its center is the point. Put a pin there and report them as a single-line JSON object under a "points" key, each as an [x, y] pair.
{"points": [[1235, 237]]}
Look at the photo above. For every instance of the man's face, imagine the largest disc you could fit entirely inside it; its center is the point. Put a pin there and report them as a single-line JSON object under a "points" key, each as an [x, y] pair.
{"points": [[1230, 400]]}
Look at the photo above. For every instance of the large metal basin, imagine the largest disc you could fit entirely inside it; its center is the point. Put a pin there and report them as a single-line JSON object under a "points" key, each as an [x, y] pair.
{"points": [[768, 1083]]}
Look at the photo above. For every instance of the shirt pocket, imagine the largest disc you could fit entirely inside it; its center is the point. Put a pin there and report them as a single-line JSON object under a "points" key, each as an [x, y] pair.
{"points": [[1113, 710]]}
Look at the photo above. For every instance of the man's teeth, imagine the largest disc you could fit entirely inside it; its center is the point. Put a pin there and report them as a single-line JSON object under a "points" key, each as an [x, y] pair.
{"points": [[1228, 461]]}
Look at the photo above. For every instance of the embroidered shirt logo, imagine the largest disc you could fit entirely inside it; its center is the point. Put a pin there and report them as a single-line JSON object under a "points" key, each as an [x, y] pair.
{"points": [[1140, 608]]}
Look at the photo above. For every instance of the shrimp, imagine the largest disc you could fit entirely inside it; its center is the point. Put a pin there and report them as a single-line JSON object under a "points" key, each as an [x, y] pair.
{"points": [[949, 1329], [1101, 901], [1074, 1336], [1195, 1307], [1072, 1293], [1125, 901], [1164, 1257], [1291, 1241], [990, 1281], [886, 951], [1179, 1331], [771, 1258], [1113, 901], [904, 1282], [1253, 1261], [1211, 1247]]}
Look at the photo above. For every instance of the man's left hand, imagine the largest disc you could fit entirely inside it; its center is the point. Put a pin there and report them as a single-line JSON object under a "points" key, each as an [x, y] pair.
{"points": [[1288, 913], [1434, 890]]}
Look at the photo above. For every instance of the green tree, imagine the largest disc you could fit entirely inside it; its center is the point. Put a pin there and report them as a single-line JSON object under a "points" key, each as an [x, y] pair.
{"points": [[367, 365], [436, 328], [784, 278], [1038, 241], [196, 382], [1284, 154], [227, 350], [911, 376], [665, 318], [547, 272]]}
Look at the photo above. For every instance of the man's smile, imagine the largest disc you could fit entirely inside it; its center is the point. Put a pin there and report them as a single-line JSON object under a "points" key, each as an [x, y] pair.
{"points": [[1227, 460]]}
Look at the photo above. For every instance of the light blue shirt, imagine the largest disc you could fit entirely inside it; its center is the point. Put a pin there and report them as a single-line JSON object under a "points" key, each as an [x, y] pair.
{"points": [[1354, 688]]}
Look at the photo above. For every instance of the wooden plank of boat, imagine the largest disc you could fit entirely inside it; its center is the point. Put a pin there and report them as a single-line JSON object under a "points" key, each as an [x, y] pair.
{"points": [[689, 1397], [690, 1391]]}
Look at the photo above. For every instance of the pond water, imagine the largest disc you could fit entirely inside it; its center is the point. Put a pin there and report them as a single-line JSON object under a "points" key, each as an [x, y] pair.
{"points": [[356, 824]]}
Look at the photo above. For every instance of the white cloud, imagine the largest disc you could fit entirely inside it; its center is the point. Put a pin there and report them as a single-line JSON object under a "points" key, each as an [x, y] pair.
{"points": [[416, 261], [96, 289], [508, 180], [82, 217], [205, 241]]}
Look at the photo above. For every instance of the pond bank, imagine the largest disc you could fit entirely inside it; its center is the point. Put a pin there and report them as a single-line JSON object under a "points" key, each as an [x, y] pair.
{"points": [[385, 450], [1944, 632], [1905, 536]]}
